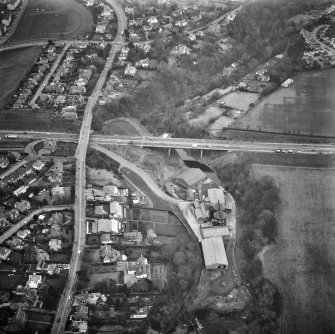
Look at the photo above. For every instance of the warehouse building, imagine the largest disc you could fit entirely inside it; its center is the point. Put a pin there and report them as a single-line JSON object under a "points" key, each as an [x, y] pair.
{"points": [[191, 178], [214, 253]]}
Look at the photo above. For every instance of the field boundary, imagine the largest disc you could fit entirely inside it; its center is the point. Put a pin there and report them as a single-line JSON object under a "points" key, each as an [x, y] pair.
{"points": [[297, 167]]}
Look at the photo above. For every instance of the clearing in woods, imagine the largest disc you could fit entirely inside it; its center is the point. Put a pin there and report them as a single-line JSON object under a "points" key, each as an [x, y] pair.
{"points": [[303, 260], [53, 19]]}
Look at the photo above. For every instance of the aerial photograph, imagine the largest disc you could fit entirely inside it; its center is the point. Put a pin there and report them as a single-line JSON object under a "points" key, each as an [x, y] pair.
{"points": [[167, 166]]}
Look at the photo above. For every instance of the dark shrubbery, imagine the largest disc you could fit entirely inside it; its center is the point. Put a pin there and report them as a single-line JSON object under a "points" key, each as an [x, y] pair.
{"points": [[95, 159]]}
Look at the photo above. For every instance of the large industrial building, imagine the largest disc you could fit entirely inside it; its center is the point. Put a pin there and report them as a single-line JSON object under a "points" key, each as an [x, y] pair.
{"points": [[214, 253]]}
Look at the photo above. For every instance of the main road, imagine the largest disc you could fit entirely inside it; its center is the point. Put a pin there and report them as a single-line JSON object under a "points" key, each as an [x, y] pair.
{"points": [[175, 143], [64, 306]]}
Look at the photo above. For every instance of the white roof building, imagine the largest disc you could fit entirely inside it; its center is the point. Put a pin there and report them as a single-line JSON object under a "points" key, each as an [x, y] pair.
{"points": [[217, 231], [55, 245], [214, 253], [34, 281]]}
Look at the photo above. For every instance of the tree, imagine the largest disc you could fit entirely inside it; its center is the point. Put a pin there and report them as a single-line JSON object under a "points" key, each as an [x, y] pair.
{"points": [[179, 258]]}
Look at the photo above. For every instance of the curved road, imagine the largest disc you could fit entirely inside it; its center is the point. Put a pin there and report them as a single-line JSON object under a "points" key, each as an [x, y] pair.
{"points": [[28, 218], [143, 175]]}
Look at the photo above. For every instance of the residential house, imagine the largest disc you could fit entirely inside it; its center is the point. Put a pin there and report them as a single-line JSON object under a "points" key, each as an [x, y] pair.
{"points": [[38, 165], [141, 313], [81, 313], [143, 63], [23, 233], [181, 23], [100, 211], [57, 193], [133, 236], [180, 49], [130, 70], [100, 28], [34, 281], [106, 238], [22, 206], [4, 253], [5, 17], [109, 254], [12, 4], [69, 112], [152, 20], [12, 214], [55, 245], [116, 209], [108, 226], [129, 10], [60, 99], [55, 231], [77, 89], [4, 162]]}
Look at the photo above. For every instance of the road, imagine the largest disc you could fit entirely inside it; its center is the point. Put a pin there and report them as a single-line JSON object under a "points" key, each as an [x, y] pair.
{"points": [[13, 169], [214, 145], [48, 76], [28, 218], [181, 143], [219, 19], [143, 175], [64, 305]]}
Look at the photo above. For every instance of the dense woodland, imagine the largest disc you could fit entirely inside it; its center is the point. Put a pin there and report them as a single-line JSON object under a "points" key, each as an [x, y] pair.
{"points": [[257, 201]]}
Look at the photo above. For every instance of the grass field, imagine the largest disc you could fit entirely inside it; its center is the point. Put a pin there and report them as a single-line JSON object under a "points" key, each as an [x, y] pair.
{"points": [[13, 67], [305, 107], [36, 120], [53, 19], [302, 262], [124, 127]]}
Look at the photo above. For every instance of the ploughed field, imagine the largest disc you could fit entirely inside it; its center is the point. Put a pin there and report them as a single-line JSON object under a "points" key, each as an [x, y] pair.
{"points": [[303, 260], [306, 107], [53, 19]]}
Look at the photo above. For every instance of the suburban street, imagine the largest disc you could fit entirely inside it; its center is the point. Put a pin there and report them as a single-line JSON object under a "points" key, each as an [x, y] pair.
{"points": [[29, 217], [48, 76], [64, 305]]}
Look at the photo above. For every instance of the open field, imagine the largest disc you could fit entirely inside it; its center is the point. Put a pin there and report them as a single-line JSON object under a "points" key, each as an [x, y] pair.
{"points": [[35, 120], [305, 107], [302, 262], [124, 127], [53, 19], [13, 67]]}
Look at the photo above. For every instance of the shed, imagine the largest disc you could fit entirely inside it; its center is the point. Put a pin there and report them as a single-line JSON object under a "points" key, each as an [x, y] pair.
{"points": [[214, 253]]}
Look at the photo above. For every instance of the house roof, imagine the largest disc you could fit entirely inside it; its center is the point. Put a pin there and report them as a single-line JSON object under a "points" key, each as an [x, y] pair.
{"points": [[191, 177], [218, 231], [214, 252]]}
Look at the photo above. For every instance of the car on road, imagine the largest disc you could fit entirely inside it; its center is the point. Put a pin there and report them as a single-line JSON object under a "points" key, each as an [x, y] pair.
{"points": [[278, 150], [289, 151]]}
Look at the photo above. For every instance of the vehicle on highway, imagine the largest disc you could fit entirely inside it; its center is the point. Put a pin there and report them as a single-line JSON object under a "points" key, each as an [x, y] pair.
{"points": [[194, 145], [226, 145], [289, 151], [278, 150], [11, 136]]}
